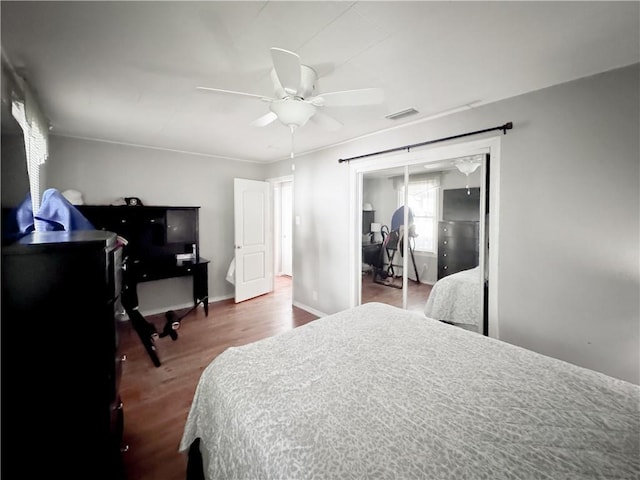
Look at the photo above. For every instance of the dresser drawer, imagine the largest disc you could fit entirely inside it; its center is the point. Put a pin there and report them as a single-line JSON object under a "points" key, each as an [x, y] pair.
{"points": [[116, 424], [460, 262], [458, 247], [115, 465], [119, 360], [457, 265], [458, 229], [457, 244]]}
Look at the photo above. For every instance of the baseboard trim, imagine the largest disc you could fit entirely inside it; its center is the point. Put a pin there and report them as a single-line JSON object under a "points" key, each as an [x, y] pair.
{"points": [[309, 309], [220, 298], [157, 311]]}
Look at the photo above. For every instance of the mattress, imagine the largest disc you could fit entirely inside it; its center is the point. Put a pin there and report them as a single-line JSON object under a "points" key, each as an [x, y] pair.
{"points": [[457, 298], [380, 392]]}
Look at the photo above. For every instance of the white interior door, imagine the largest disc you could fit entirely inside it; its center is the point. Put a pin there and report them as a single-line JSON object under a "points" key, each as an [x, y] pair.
{"points": [[253, 254]]}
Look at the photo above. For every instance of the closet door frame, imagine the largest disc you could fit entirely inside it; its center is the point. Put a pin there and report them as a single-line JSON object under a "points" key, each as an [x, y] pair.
{"points": [[357, 169]]}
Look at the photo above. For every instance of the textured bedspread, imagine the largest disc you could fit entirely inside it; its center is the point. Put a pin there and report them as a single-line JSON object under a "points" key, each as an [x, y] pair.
{"points": [[457, 298], [379, 392]]}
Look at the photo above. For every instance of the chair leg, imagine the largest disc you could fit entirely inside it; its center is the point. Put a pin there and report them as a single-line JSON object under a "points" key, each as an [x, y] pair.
{"points": [[170, 327], [147, 333]]}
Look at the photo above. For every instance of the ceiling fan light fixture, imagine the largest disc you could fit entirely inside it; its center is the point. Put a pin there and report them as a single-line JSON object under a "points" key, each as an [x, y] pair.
{"points": [[295, 101], [293, 112], [467, 165]]}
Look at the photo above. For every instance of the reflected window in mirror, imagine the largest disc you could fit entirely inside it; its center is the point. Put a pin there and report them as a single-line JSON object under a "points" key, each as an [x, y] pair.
{"points": [[423, 202]]}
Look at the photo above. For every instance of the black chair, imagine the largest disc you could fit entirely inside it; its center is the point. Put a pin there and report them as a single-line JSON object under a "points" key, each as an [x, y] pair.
{"points": [[393, 241]]}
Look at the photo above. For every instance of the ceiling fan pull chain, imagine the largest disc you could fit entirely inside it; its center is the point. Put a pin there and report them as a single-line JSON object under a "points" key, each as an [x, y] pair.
{"points": [[293, 128]]}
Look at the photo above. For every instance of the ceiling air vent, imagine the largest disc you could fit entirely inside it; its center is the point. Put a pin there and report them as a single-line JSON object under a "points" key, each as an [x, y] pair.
{"points": [[401, 114]]}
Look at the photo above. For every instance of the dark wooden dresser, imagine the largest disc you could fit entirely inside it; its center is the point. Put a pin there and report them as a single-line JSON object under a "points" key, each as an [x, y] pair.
{"points": [[62, 416], [458, 246]]}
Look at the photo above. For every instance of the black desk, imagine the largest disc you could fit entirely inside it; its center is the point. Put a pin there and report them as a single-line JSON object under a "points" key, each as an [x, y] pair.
{"points": [[161, 268], [138, 270], [155, 235], [372, 254]]}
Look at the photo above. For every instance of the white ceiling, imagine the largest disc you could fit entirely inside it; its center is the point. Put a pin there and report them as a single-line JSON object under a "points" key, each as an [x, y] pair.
{"points": [[128, 71]]}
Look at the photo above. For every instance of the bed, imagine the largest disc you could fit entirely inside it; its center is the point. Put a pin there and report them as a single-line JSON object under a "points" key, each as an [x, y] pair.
{"points": [[457, 299], [380, 392]]}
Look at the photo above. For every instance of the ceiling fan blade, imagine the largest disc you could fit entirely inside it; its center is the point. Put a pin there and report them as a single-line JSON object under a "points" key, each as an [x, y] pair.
{"points": [[231, 92], [326, 122], [287, 67], [364, 96], [264, 120]]}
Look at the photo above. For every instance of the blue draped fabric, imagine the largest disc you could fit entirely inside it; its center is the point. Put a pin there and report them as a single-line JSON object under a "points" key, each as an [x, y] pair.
{"points": [[398, 218], [55, 213]]}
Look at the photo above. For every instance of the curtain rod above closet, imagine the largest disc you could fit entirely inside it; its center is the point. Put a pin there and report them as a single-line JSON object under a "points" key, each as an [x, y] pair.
{"points": [[504, 128]]}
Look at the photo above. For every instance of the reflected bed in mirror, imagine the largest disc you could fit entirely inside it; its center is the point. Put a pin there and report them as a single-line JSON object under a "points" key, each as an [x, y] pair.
{"points": [[457, 299]]}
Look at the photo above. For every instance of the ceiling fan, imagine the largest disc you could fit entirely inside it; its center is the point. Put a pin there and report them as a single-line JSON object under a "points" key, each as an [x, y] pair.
{"points": [[295, 100]]}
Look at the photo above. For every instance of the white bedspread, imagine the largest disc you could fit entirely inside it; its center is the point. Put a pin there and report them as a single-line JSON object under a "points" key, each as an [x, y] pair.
{"points": [[379, 392], [457, 298]]}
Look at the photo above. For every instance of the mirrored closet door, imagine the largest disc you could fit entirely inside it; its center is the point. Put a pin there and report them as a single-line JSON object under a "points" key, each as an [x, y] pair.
{"points": [[428, 257], [382, 268]]}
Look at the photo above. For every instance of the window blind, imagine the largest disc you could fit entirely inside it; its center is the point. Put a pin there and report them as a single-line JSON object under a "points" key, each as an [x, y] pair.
{"points": [[35, 128]]}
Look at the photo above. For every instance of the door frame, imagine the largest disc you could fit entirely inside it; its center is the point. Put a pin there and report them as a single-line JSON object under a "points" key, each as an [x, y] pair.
{"points": [[489, 145], [275, 182]]}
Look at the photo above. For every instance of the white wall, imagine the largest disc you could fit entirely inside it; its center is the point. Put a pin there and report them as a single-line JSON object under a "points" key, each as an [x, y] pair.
{"points": [[569, 272], [104, 171]]}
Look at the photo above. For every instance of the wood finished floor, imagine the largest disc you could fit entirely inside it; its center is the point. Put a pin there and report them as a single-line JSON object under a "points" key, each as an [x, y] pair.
{"points": [[417, 293], [157, 399]]}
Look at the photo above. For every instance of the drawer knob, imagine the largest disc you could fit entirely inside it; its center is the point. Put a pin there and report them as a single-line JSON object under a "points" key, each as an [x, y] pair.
{"points": [[123, 358], [444, 254], [124, 448], [445, 242], [119, 406], [445, 267]]}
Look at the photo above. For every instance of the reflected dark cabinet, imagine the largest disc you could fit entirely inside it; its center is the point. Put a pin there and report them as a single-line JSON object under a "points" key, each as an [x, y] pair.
{"points": [[61, 363], [368, 217], [458, 246]]}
